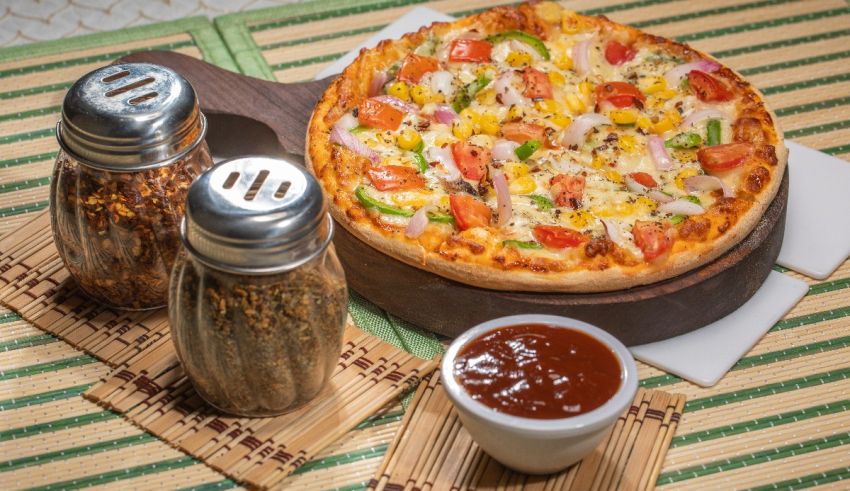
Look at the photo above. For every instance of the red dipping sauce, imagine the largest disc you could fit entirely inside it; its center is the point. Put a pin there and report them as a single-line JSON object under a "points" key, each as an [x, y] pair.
{"points": [[538, 371]]}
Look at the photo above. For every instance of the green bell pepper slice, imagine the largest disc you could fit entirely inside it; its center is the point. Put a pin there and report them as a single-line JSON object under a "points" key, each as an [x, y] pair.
{"points": [[543, 203], [464, 97], [522, 244], [713, 132], [522, 37], [370, 202], [527, 149], [684, 140]]}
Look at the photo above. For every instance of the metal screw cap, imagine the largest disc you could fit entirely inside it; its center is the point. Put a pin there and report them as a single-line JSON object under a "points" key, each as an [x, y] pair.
{"points": [[256, 215], [130, 117]]}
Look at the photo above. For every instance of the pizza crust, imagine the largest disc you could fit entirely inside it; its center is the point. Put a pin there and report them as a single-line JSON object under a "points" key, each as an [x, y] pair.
{"points": [[354, 81]]}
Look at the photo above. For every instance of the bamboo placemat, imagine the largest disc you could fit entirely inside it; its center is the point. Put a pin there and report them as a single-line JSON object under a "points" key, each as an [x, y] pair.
{"points": [[434, 451]]}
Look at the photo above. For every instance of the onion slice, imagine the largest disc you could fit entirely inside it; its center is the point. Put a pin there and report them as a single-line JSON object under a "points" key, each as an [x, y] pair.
{"points": [[397, 103], [445, 114], [613, 231], [351, 142], [659, 153], [347, 122], [504, 150], [681, 207], [697, 116], [506, 92], [659, 196], [674, 76], [581, 57], [635, 186], [708, 183], [444, 156], [575, 133], [377, 83], [503, 198], [442, 82], [418, 222]]}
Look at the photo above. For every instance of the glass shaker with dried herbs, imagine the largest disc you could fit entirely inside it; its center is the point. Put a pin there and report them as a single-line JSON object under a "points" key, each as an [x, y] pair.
{"points": [[258, 298], [132, 139]]}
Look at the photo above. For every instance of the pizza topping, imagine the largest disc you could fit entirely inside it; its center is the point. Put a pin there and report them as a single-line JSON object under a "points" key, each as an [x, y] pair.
{"points": [[522, 244], [681, 207], [344, 137], [659, 153], [557, 237], [576, 132], [581, 57], [527, 149], [396, 103], [708, 88], [378, 114], [537, 85], [684, 140], [464, 97], [377, 83], [471, 160], [698, 116], [503, 199], [712, 132], [613, 231], [504, 150], [418, 222], [707, 183], [370, 202], [644, 179], [445, 114], [395, 178], [652, 239], [441, 82], [470, 50], [619, 94], [413, 67], [725, 157], [523, 132], [675, 76], [523, 37], [567, 190], [617, 53], [469, 212], [444, 157], [507, 93]]}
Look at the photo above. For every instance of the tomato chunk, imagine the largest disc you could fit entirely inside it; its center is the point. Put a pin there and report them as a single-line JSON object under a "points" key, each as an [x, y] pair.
{"points": [[708, 88], [414, 67], [644, 179], [522, 132], [469, 212], [619, 94], [537, 85], [471, 160], [472, 50], [618, 53], [376, 114], [395, 178], [567, 190], [652, 239], [557, 237], [719, 158]]}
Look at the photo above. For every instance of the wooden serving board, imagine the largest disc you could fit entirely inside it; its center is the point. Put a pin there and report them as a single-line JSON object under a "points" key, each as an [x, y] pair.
{"points": [[251, 116]]}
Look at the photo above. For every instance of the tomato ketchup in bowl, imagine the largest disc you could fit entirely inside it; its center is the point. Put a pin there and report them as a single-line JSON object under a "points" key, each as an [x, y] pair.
{"points": [[538, 392]]}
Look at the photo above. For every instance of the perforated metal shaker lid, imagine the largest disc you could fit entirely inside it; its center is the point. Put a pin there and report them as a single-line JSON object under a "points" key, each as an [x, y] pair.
{"points": [[256, 215], [129, 117]]}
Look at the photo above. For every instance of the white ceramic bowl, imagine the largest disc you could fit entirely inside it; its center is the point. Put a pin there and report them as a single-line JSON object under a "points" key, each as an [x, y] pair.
{"points": [[538, 446]]}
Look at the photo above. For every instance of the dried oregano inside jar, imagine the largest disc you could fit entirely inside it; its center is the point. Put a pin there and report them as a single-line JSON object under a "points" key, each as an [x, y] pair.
{"points": [[258, 299], [132, 140]]}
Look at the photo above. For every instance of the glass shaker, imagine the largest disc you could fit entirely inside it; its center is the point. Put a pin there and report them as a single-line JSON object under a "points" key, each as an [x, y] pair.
{"points": [[132, 139], [258, 299]]}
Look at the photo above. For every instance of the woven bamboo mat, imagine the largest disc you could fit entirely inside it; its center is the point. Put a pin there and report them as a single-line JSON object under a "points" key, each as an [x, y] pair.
{"points": [[434, 451]]}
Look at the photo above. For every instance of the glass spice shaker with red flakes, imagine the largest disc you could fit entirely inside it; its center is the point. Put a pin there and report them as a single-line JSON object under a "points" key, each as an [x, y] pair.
{"points": [[132, 139]]}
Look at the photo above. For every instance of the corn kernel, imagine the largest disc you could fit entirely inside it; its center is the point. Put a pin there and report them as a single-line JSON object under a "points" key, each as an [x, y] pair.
{"points": [[684, 174], [662, 126], [575, 104], [654, 103], [623, 116], [563, 61], [486, 97], [518, 58], [489, 124], [444, 201], [408, 139], [597, 162], [549, 12], [666, 94], [515, 170], [644, 123], [580, 218], [471, 116], [651, 85], [646, 203], [674, 117], [522, 185], [556, 79], [399, 89], [684, 154], [420, 94], [548, 106], [443, 139], [516, 112], [586, 89], [561, 120], [614, 176], [627, 143], [569, 22], [462, 129]]}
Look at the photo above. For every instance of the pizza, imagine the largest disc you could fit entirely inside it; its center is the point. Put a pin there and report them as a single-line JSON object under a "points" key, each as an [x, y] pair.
{"points": [[531, 148]]}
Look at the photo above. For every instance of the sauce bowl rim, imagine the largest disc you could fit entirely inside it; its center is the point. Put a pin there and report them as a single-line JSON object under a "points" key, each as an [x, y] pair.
{"points": [[601, 416]]}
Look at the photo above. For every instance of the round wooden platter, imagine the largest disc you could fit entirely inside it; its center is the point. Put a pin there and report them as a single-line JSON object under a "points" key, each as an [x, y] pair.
{"points": [[251, 116]]}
